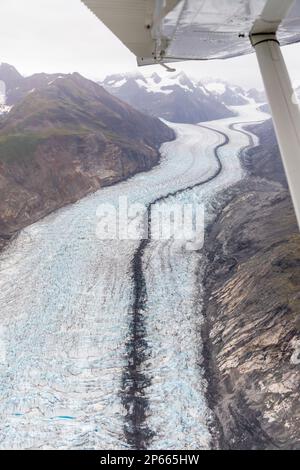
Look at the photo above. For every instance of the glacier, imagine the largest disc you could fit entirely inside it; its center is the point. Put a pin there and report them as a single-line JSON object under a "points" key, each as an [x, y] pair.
{"points": [[66, 300]]}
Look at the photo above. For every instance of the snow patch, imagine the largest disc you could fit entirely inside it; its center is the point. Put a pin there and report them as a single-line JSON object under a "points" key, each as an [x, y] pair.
{"points": [[216, 87], [119, 83], [295, 357], [5, 109]]}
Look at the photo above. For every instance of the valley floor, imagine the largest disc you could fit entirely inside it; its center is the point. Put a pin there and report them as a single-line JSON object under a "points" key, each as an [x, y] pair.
{"points": [[100, 339]]}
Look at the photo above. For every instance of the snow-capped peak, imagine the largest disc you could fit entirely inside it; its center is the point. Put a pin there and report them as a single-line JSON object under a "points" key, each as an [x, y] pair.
{"points": [[229, 94], [178, 97], [153, 83]]}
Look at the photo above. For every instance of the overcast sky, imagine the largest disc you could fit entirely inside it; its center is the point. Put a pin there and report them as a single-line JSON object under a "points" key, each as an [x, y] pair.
{"points": [[64, 36]]}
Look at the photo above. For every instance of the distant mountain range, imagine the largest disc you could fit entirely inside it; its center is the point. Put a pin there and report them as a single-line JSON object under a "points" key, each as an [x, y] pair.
{"points": [[178, 98], [233, 95], [65, 137]]}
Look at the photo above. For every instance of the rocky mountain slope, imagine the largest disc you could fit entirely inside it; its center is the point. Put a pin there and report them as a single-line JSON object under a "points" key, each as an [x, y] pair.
{"points": [[252, 308], [65, 139], [174, 97]]}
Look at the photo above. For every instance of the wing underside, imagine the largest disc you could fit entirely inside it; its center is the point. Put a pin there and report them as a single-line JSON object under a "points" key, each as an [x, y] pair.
{"points": [[170, 30]]}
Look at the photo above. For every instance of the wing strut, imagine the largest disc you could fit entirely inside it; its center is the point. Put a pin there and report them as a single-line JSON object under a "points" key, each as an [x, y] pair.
{"points": [[284, 109]]}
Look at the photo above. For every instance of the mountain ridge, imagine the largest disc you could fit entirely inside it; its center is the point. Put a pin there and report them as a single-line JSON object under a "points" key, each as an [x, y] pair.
{"points": [[179, 98], [174, 97]]}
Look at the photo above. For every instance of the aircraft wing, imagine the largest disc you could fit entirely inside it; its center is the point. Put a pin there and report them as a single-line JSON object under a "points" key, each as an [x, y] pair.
{"points": [[170, 30]]}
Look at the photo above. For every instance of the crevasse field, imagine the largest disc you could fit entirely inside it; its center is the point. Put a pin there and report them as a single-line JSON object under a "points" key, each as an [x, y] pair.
{"points": [[66, 307]]}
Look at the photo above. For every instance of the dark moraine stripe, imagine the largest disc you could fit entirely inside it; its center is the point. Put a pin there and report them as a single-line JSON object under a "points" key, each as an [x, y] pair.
{"points": [[135, 381]]}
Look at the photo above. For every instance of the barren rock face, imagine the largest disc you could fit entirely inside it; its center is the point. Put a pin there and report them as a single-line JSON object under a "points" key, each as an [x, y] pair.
{"points": [[252, 311]]}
